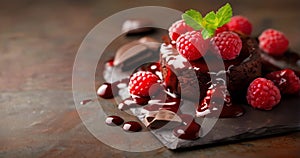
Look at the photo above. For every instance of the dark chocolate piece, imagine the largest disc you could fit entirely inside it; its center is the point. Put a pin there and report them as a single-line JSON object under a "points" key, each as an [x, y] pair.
{"points": [[158, 119], [136, 53]]}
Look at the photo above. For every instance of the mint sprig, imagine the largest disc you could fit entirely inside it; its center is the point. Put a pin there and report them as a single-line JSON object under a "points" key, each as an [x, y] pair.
{"points": [[193, 18], [210, 22]]}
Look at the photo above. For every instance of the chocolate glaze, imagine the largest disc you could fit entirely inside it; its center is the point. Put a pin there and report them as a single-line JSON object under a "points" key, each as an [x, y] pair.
{"points": [[217, 100]]}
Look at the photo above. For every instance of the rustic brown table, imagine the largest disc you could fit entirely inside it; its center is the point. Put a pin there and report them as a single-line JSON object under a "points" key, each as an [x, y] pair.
{"points": [[38, 44]]}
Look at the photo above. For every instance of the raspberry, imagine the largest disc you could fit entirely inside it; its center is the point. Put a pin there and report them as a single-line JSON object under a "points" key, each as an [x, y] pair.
{"points": [[240, 24], [221, 29], [141, 82], [228, 44], [263, 94], [191, 45], [286, 80], [273, 42], [178, 28]]}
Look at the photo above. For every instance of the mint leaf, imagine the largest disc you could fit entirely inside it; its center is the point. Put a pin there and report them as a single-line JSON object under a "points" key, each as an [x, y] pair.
{"points": [[193, 18], [207, 33], [210, 22], [195, 14], [224, 14]]}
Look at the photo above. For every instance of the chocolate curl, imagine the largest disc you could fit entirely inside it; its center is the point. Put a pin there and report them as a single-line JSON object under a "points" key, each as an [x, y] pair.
{"points": [[158, 119]]}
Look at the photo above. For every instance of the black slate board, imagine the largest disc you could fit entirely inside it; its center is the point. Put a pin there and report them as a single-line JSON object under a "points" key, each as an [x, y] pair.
{"points": [[285, 117]]}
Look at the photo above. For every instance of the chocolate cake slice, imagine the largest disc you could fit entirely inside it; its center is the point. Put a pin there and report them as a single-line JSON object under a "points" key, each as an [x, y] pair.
{"points": [[192, 78]]}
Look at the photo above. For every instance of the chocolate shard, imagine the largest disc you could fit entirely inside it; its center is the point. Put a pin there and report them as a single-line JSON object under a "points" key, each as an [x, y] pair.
{"points": [[136, 53], [137, 26], [127, 51], [162, 118]]}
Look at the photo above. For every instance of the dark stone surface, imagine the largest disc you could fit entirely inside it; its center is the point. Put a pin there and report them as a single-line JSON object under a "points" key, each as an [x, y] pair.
{"points": [[254, 123]]}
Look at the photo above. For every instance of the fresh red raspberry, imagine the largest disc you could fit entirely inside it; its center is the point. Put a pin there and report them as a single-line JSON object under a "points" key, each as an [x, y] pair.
{"points": [[178, 28], [263, 94], [222, 29], [240, 24], [273, 42], [228, 44], [286, 80], [191, 45], [141, 82]]}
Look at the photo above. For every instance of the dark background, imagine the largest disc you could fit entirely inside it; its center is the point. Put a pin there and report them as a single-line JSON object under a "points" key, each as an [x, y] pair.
{"points": [[38, 44]]}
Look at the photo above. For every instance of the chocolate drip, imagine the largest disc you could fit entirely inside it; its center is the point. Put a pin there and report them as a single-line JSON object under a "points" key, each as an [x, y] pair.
{"points": [[114, 120], [132, 126]]}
